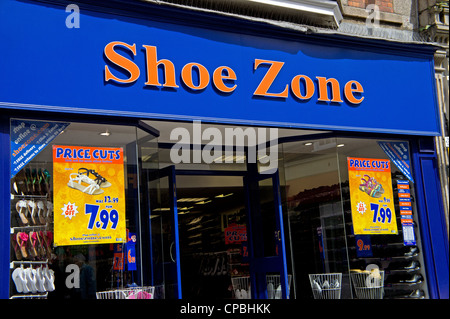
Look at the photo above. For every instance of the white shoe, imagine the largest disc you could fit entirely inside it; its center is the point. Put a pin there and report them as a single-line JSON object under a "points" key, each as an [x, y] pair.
{"points": [[40, 280], [30, 274], [270, 294], [18, 281], [49, 213], [49, 279], [278, 292], [317, 286]]}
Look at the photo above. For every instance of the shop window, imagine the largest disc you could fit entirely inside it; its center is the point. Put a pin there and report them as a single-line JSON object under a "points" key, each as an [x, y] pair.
{"points": [[313, 204], [74, 225], [387, 241], [354, 231]]}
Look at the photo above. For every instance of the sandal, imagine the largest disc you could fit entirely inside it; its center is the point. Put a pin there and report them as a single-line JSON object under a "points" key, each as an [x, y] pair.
{"points": [[46, 178], [40, 280], [76, 181], [28, 183], [32, 210], [49, 279], [20, 206], [15, 188], [49, 214], [22, 239], [30, 275], [371, 189], [18, 276], [36, 182], [16, 247], [40, 246], [40, 212], [99, 179], [32, 244], [47, 243], [374, 182]]}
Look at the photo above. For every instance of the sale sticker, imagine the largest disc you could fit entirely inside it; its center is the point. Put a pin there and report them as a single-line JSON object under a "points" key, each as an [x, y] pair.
{"points": [[69, 210], [371, 196], [88, 195]]}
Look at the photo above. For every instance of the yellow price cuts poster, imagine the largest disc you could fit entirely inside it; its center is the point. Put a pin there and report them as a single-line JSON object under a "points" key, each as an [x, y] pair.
{"points": [[371, 196], [88, 195]]}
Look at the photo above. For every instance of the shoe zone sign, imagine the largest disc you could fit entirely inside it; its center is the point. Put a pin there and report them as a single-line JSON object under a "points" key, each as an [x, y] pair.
{"points": [[89, 195], [149, 69]]}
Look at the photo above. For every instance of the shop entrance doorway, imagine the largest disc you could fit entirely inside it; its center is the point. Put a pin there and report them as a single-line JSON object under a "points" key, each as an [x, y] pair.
{"points": [[221, 234]]}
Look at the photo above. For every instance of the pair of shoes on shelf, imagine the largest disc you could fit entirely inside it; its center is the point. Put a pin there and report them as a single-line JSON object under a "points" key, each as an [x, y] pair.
{"points": [[416, 294], [31, 182], [415, 279], [30, 280], [405, 267], [32, 245], [34, 212], [22, 210], [19, 242]]}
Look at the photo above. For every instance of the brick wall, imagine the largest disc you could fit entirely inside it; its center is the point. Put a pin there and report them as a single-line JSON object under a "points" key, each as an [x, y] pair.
{"points": [[383, 5]]}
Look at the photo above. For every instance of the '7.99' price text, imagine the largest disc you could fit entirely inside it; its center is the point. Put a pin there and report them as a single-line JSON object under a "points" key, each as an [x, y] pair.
{"points": [[103, 219]]}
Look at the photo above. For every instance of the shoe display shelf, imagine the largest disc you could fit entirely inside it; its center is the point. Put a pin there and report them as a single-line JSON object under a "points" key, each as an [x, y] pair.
{"points": [[401, 264], [31, 239]]}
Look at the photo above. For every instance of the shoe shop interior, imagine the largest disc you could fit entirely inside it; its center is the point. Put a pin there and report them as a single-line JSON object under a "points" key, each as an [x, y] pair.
{"points": [[121, 211]]}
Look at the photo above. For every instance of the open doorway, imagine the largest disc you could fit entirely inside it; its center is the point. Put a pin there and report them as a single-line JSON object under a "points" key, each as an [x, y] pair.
{"points": [[213, 236]]}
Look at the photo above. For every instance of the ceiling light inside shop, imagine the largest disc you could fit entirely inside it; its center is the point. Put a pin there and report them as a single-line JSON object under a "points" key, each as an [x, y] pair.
{"points": [[185, 208], [308, 143], [223, 196], [204, 202], [340, 145], [230, 159], [197, 199], [163, 209], [105, 133]]}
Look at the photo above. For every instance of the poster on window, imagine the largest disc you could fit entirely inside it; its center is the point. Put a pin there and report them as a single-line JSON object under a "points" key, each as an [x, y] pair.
{"points": [[88, 195], [371, 196], [29, 138]]}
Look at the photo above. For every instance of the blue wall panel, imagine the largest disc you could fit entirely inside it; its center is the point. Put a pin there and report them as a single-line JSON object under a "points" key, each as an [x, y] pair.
{"points": [[437, 226], [5, 207]]}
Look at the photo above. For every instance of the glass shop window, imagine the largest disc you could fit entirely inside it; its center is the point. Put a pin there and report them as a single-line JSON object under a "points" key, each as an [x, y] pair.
{"points": [[73, 221], [354, 229], [384, 247]]}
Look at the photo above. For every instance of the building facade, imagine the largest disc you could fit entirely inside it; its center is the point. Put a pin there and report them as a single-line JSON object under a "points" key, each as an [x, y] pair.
{"points": [[226, 149]]}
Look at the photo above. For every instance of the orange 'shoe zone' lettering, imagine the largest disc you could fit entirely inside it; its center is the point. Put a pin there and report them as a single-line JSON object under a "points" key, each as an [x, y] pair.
{"points": [[223, 77]]}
